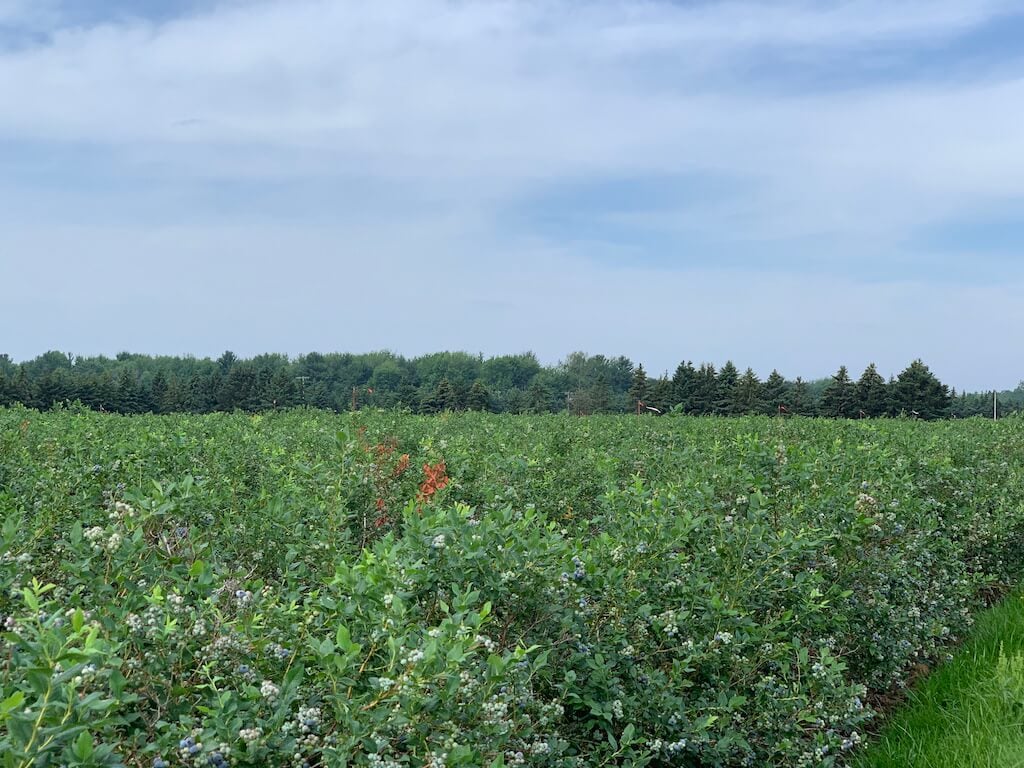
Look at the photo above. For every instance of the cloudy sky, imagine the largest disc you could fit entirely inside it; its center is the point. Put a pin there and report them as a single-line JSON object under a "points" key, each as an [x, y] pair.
{"points": [[787, 184]]}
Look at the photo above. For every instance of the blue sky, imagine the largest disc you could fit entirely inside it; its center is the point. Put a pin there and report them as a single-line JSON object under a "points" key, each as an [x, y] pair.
{"points": [[791, 184]]}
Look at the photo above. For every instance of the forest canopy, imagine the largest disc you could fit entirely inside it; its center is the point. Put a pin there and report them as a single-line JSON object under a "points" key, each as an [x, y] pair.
{"points": [[453, 381]]}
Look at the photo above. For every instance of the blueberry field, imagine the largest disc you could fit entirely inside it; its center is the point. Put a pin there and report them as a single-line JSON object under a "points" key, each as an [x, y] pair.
{"points": [[308, 589]]}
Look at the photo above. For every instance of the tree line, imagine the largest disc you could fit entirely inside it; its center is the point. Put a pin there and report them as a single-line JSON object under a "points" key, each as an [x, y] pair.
{"points": [[454, 381]]}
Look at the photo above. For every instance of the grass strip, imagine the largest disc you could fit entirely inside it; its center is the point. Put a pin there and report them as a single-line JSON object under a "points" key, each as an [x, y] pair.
{"points": [[970, 712]]}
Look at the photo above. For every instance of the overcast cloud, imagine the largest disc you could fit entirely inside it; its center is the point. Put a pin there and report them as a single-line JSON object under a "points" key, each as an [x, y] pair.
{"points": [[791, 184]]}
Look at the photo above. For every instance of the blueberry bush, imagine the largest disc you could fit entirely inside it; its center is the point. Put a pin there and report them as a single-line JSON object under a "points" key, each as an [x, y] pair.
{"points": [[306, 589]]}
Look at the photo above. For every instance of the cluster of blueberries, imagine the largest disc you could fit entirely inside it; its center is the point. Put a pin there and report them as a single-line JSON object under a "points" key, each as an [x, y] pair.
{"points": [[189, 747]]}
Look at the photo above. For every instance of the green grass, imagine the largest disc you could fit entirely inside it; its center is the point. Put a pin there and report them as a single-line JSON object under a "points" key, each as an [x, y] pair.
{"points": [[970, 712]]}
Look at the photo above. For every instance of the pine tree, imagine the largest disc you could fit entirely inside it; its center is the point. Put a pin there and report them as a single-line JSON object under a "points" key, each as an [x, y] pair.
{"points": [[838, 400], [661, 394], [104, 392], [478, 399], [201, 395], [800, 401], [54, 387], [6, 391], [407, 396], [515, 402], [684, 383], [442, 398], [538, 398], [919, 393], [724, 386], [638, 387], [238, 389], [280, 391], [599, 396], [174, 399], [746, 394], [158, 393], [774, 393], [226, 362], [705, 390], [872, 394], [128, 395]]}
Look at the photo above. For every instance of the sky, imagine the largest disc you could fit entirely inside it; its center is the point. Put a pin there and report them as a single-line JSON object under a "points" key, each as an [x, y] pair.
{"points": [[791, 185]]}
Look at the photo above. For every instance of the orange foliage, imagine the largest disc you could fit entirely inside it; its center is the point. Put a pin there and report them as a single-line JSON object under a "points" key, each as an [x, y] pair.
{"points": [[436, 478]]}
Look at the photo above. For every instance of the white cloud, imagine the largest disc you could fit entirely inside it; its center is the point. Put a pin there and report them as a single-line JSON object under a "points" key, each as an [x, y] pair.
{"points": [[504, 93], [464, 108]]}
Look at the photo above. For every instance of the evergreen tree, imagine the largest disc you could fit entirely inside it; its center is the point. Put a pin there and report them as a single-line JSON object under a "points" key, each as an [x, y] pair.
{"points": [[239, 389], [427, 401], [129, 396], [919, 393], [662, 394], [6, 390], [280, 391], [407, 396], [684, 383], [746, 394], [724, 386], [174, 398], [839, 399], [800, 401], [460, 396], [872, 393], [774, 393], [54, 387], [479, 398], [638, 388], [538, 398], [516, 401], [226, 362], [158, 393], [599, 395], [705, 390], [101, 393], [442, 398], [201, 394], [25, 389], [316, 395]]}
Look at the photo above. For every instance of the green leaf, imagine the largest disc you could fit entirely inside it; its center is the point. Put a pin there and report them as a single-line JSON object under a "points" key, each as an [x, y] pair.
{"points": [[117, 683], [343, 639], [38, 680], [30, 599], [11, 703], [83, 746]]}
